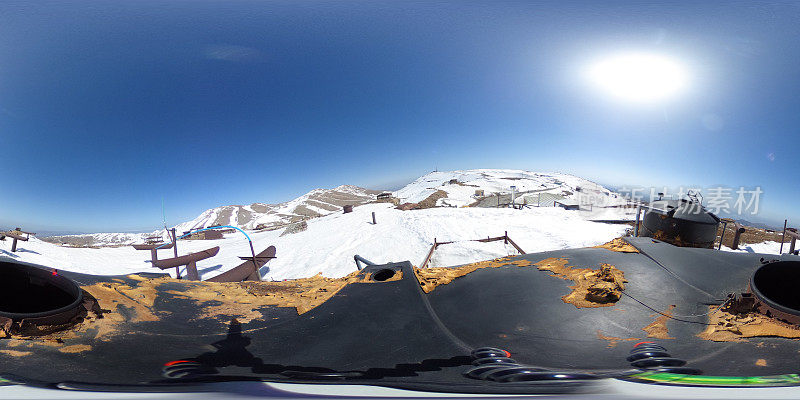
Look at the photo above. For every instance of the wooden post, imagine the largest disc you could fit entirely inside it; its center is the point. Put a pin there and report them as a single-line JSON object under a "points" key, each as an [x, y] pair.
{"points": [[175, 248], [191, 271], [784, 236], [519, 249], [373, 219], [255, 262], [174, 241], [430, 254], [14, 245]]}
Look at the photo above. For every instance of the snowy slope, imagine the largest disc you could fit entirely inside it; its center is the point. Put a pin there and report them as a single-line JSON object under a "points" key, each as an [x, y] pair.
{"points": [[493, 181], [104, 239], [329, 243], [768, 247], [315, 203], [596, 202]]}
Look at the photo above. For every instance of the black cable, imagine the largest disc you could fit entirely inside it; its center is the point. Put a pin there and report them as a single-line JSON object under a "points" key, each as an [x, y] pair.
{"points": [[676, 276], [671, 317]]}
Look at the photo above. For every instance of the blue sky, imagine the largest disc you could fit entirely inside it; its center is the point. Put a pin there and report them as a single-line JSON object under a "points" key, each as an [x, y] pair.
{"points": [[108, 107]]}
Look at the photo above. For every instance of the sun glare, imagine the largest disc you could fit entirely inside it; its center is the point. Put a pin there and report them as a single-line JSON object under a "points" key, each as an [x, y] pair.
{"points": [[639, 77]]}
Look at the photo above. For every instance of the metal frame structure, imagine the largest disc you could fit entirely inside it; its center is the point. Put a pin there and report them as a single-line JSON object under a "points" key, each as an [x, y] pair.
{"points": [[153, 247], [488, 239], [248, 270], [359, 260], [16, 234], [792, 232], [737, 233], [190, 261]]}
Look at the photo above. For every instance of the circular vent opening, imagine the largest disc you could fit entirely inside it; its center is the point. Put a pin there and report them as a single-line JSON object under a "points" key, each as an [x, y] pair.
{"points": [[383, 275], [27, 292], [776, 284]]}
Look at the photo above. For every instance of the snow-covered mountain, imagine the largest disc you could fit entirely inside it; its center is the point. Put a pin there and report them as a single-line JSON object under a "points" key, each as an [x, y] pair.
{"points": [[105, 239], [443, 189], [530, 187], [328, 243], [315, 203]]}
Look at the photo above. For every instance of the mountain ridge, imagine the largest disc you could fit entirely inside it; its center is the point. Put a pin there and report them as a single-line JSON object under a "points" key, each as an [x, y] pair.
{"points": [[255, 216], [461, 188]]}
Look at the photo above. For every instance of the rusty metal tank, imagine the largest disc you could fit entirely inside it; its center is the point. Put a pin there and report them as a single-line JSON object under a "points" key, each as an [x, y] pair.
{"points": [[30, 297], [681, 222], [774, 286]]}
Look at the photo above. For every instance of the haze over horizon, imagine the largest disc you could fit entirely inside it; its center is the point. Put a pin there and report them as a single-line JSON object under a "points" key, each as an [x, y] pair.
{"points": [[108, 107]]}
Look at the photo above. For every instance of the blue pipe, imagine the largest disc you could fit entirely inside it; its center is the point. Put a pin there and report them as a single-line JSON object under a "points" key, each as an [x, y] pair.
{"points": [[210, 229], [252, 250]]}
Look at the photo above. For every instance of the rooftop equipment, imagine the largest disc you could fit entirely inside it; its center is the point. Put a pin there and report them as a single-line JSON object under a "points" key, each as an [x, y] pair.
{"points": [[683, 222]]}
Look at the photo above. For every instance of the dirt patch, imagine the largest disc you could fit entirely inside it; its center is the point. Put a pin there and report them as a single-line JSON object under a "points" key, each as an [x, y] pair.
{"points": [[429, 202], [97, 324], [243, 299], [728, 327], [138, 298], [619, 245], [295, 228], [118, 302], [430, 278], [658, 328], [478, 200], [16, 353], [76, 348], [613, 341], [593, 288], [751, 235], [121, 302], [100, 328]]}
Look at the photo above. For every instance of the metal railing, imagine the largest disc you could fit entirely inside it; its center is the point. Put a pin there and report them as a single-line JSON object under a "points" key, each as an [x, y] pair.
{"points": [[436, 244], [360, 260]]}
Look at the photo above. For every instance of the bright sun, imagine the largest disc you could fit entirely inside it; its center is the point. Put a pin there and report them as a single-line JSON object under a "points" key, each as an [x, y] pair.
{"points": [[639, 77]]}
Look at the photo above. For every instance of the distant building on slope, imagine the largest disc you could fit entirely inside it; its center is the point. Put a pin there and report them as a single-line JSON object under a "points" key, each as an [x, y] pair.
{"points": [[386, 197], [567, 204]]}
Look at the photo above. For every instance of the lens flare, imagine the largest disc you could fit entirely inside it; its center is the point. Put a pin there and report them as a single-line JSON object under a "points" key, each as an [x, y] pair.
{"points": [[639, 77]]}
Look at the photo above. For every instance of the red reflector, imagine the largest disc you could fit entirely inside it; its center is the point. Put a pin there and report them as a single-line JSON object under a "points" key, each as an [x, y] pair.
{"points": [[54, 272], [507, 353], [175, 362], [641, 343]]}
